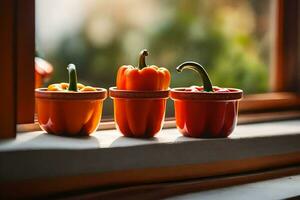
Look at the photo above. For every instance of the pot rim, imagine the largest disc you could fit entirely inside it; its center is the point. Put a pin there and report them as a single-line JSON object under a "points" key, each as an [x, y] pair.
{"points": [[138, 94], [181, 94], [42, 93]]}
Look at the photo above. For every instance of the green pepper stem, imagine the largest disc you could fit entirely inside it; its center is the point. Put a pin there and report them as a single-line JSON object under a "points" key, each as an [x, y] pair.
{"points": [[72, 78], [207, 85], [142, 60]]}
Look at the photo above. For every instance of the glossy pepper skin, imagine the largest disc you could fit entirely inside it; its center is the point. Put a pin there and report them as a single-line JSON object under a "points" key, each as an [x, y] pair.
{"points": [[143, 77], [205, 112], [69, 109], [140, 116]]}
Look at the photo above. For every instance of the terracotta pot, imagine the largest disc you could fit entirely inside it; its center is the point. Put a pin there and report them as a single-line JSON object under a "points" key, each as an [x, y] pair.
{"points": [[69, 113], [206, 114], [139, 113]]}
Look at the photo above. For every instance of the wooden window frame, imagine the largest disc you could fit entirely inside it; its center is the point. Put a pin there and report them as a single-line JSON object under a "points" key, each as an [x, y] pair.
{"points": [[17, 64], [7, 70], [17, 61]]}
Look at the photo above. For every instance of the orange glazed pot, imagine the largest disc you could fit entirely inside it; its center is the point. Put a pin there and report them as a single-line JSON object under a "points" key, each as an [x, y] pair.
{"points": [[139, 114], [206, 114], [69, 113]]}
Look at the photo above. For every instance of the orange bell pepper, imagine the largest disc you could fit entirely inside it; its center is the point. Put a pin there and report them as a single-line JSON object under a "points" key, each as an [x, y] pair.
{"points": [[137, 113], [143, 77]]}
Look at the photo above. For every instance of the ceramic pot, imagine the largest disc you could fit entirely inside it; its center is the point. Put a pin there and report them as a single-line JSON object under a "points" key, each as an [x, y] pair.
{"points": [[69, 113], [206, 114], [139, 114]]}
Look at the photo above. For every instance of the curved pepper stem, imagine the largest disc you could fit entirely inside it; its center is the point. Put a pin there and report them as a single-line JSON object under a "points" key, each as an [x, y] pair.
{"points": [[142, 60], [207, 86], [72, 78]]}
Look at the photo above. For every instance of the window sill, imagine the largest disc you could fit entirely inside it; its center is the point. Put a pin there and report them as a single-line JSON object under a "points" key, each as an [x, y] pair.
{"points": [[58, 164], [280, 188]]}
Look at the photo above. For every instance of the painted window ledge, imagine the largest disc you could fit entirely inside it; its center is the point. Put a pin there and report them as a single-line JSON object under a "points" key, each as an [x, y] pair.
{"points": [[47, 155], [107, 158]]}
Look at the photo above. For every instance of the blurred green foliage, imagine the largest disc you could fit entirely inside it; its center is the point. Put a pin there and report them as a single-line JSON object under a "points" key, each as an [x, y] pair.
{"points": [[191, 30]]}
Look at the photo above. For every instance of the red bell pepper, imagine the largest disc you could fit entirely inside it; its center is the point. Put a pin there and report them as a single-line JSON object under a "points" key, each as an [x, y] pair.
{"points": [[207, 111], [140, 98], [43, 70]]}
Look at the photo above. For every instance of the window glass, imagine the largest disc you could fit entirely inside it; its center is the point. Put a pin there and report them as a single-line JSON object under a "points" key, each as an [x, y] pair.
{"points": [[232, 39]]}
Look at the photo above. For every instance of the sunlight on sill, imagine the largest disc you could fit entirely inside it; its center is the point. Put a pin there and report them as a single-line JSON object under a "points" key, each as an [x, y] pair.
{"points": [[112, 138]]}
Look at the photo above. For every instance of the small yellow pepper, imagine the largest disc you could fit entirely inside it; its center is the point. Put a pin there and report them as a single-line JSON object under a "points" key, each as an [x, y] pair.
{"points": [[76, 87]]}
